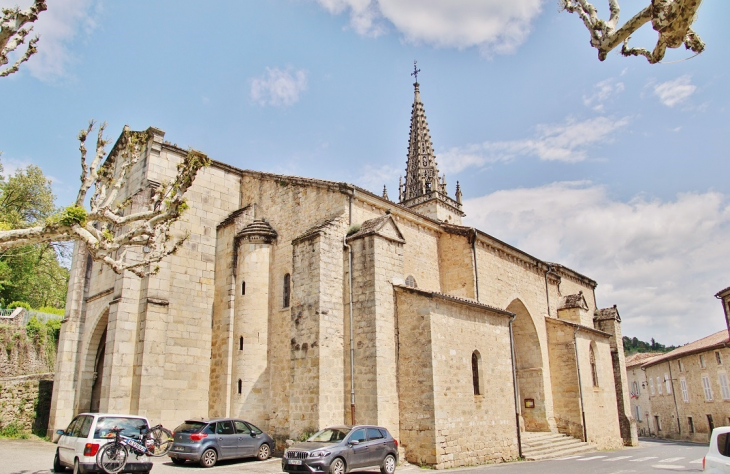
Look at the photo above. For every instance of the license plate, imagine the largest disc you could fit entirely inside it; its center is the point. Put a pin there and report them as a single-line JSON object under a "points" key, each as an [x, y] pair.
{"points": [[295, 462], [178, 448]]}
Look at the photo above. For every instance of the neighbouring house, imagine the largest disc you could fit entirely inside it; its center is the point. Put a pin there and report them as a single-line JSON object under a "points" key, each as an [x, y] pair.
{"points": [[298, 303], [685, 393]]}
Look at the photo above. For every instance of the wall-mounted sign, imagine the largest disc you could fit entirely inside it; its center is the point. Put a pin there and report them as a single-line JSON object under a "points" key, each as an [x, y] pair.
{"points": [[529, 403]]}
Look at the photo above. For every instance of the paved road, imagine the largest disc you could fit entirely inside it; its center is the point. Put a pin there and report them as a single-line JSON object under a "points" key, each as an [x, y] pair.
{"points": [[36, 457]]}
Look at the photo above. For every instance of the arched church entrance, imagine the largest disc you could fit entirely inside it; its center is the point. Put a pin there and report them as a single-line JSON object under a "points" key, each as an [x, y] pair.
{"points": [[92, 374], [529, 368]]}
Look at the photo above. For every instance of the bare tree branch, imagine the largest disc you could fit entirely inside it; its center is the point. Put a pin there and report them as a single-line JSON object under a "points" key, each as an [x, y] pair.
{"points": [[671, 19], [13, 33], [110, 227]]}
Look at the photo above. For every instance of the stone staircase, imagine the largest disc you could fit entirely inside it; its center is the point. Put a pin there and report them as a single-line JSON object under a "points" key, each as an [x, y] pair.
{"points": [[545, 445]]}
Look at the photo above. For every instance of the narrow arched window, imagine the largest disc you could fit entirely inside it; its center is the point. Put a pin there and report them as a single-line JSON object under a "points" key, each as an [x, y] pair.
{"points": [[411, 282], [594, 371], [240, 344], [287, 289], [475, 372], [240, 386]]}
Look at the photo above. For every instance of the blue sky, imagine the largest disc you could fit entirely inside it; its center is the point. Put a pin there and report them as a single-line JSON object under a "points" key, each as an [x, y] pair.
{"points": [[617, 169]]}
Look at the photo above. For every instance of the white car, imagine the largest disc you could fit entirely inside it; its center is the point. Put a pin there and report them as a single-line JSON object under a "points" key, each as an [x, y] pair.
{"points": [[88, 432], [717, 459]]}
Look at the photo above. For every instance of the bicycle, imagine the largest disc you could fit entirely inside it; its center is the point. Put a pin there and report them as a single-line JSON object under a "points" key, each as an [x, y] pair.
{"points": [[112, 457]]}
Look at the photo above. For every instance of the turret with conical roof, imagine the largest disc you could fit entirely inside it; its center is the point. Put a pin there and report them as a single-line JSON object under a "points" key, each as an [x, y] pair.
{"points": [[423, 189]]}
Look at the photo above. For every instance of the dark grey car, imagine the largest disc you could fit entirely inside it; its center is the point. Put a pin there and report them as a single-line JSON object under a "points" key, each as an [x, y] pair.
{"points": [[339, 449], [206, 442]]}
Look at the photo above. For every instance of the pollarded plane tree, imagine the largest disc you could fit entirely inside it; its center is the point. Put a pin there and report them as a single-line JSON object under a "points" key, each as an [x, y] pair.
{"points": [[671, 19], [115, 224], [15, 26]]}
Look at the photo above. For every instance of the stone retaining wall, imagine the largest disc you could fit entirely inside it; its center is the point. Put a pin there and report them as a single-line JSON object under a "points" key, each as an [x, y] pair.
{"points": [[26, 401]]}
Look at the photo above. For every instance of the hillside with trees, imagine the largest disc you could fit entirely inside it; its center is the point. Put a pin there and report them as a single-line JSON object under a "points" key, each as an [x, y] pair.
{"points": [[633, 345]]}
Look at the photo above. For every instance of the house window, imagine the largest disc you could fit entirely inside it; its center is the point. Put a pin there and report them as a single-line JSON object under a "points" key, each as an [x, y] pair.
{"points": [[243, 288], [287, 289], [685, 394], [651, 385], [592, 358], [681, 365], [722, 378], [710, 422], [702, 361], [659, 385], [475, 356], [706, 386], [636, 389], [638, 413], [668, 381], [240, 344], [658, 425], [718, 357], [240, 386], [691, 424], [411, 282]]}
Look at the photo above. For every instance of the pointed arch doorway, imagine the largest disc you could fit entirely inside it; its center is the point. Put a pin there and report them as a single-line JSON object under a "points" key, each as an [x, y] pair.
{"points": [[529, 368]]}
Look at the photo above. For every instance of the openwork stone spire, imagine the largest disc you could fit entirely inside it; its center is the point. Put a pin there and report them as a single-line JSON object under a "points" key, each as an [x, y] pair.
{"points": [[422, 181]]}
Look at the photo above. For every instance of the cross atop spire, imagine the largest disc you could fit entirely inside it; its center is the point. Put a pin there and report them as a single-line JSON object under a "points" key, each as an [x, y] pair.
{"points": [[415, 71]]}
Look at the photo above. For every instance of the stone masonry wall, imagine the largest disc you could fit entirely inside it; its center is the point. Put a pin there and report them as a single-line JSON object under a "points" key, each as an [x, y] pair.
{"points": [[26, 401]]}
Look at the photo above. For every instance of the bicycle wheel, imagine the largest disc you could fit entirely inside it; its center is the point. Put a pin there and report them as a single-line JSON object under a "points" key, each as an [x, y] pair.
{"points": [[112, 458], [162, 438]]}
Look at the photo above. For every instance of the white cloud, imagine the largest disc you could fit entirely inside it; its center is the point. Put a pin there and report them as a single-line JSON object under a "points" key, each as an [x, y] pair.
{"points": [[671, 93], [373, 179], [603, 91], [567, 142], [494, 26], [661, 262], [279, 87], [58, 27]]}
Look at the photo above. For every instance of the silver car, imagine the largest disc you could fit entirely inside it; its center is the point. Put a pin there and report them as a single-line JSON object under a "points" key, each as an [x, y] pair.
{"points": [[206, 442], [339, 449]]}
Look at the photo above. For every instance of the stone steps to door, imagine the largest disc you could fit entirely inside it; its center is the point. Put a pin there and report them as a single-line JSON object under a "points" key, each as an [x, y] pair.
{"points": [[545, 445]]}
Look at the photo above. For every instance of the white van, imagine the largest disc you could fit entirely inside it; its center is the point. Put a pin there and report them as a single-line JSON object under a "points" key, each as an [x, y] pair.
{"points": [[717, 459], [88, 432]]}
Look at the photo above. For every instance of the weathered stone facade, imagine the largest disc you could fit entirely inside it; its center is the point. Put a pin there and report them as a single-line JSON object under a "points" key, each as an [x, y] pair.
{"points": [[685, 393], [298, 303]]}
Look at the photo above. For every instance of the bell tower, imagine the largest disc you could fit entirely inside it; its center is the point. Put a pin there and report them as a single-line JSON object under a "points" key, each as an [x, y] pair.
{"points": [[424, 190]]}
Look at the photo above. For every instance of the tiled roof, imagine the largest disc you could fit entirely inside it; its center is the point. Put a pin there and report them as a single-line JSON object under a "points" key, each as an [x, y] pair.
{"points": [[722, 291], [573, 301], [719, 339], [456, 299], [607, 313], [641, 358]]}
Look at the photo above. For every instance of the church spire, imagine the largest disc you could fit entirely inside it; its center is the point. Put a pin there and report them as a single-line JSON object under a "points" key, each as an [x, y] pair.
{"points": [[422, 175]]}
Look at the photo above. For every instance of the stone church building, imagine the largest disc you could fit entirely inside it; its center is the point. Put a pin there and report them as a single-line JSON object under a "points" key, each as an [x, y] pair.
{"points": [[298, 303]]}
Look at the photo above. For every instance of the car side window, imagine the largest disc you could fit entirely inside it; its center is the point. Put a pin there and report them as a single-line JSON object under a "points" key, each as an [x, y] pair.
{"points": [[254, 430], [210, 429], [723, 444], [72, 426], [358, 435], [224, 428], [85, 426], [241, 427], [374, 433]]}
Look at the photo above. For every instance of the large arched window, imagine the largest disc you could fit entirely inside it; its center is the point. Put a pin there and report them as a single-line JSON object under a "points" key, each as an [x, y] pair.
{"points": [[475, 359], [594, 371], [287, 290]]}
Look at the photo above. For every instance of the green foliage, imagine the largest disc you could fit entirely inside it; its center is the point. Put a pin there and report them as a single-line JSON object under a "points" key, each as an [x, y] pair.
{"points": [[353, 228], [53, 329], [33, 274], [13, 430], [19, 304], [73, 215], [26, 198], [51, 310], [35, 329], [633, 345]]}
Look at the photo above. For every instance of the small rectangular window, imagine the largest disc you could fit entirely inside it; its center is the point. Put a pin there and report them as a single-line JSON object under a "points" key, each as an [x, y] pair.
{"points": [[668, 381], [685, 394], [658, 424], [659, 385], [681, 365], [718, 357], [243, 288], [651, 385], [707, 388], [702, 361], [638, 413], [691, 424], [722, 378]]}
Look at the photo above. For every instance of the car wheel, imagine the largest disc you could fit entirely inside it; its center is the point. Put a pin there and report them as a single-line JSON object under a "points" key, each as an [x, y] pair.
{"points": [[57, 466], [388, 466], [177, 461], [264, 452], [209, 458], [76, 470], [337, 466]]}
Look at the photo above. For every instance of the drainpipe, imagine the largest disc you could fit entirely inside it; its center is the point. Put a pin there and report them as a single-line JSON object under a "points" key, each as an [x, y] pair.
{"points": [[476, 270], [674, 395], [352, 346], [514, 385], [580, 385]]}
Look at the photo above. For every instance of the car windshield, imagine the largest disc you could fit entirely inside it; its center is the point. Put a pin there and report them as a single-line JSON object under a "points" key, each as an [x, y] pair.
{"points": [[131, 427], [329, 435]]}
